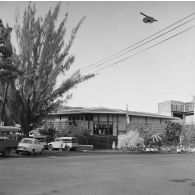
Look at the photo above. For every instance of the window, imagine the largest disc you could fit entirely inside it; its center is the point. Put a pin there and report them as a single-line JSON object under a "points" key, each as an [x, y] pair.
{"points": [[36, 142], [88, 117], [178, 115], [26, 141], [103, 129]]}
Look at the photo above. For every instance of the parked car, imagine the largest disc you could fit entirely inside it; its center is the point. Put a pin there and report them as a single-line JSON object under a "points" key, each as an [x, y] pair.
{"points": [[41, 138], [30, 145], [63, 143]]}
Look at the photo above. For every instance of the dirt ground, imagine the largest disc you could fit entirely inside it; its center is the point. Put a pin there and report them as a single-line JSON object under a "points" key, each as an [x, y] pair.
{"points": [[98, 174]]}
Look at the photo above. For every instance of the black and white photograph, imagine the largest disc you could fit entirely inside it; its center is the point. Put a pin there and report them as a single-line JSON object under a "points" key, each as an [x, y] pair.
{"points": [[97, 98]]}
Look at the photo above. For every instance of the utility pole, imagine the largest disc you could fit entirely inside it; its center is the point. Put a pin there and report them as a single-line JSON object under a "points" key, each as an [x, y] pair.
{"points": [[127, 118]]}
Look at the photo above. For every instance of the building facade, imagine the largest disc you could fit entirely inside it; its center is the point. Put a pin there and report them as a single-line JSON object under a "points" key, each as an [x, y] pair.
{"points": [[182, 110], [104, 121]]}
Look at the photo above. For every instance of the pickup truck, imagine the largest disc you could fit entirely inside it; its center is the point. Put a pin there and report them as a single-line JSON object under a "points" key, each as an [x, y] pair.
{"points": [[7, 145]]}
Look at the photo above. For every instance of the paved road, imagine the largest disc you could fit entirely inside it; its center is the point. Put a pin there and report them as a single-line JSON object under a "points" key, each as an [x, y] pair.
{"points": [[76, 173]]}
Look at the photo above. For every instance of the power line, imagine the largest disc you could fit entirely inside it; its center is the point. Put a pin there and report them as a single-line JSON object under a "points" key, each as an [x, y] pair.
{"points": [[141, 40], [144, 49], [177, 34], [142, 44], [117, 53]]}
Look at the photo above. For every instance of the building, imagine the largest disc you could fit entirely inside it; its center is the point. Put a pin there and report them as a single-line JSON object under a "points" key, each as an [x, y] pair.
{"points": [[104, 121], [182, 110]]}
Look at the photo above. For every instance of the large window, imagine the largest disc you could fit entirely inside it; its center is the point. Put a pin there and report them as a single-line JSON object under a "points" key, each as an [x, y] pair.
{"points": [[103, 129]]}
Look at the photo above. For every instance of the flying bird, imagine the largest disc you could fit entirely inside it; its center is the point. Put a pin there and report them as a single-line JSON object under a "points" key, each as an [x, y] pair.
{"points": [[148, 19]]}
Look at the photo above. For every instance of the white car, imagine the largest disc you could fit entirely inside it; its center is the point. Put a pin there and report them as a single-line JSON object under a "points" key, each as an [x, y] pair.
{"points": [[63, 143], [30, 145]]}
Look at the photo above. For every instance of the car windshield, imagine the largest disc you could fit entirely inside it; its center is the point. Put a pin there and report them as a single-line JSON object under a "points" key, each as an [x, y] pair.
{"points": [[26, 141]]}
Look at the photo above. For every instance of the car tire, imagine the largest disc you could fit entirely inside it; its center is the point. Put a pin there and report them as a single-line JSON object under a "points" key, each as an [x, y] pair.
{"points": [[67, 148], [12, 151], [33, 152], [6, 153], [41, 152], [50, 147]]}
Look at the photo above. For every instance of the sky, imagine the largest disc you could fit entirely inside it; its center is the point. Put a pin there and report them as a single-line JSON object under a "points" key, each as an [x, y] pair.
{"points": [[148, 76]]}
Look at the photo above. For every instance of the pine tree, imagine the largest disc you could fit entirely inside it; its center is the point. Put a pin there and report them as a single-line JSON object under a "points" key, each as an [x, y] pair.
{"points": [[8, 70], [43, 55]]}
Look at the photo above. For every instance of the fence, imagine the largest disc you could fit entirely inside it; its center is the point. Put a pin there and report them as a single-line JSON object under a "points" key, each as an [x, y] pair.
{"points": [[98, 142]]}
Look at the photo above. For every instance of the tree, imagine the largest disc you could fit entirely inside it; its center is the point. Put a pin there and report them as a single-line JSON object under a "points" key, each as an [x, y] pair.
{"points": [[44, 55], [130, 139], [187, 133], [173, 132], [8, 70], [154, 140]]}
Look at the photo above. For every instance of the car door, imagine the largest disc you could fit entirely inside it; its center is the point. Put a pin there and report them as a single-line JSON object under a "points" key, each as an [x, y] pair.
{"points": [[37, 146]]}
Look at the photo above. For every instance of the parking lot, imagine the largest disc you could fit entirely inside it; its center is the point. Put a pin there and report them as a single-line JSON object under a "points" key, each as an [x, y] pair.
{"points": [[101, 173]]}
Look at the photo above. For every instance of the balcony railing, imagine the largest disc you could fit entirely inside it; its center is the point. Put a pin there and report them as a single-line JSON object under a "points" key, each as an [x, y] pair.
{"points": [[177, 108], [189, 107], [186, 107]]}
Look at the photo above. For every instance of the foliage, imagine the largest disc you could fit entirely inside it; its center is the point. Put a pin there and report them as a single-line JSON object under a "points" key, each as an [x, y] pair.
{"points": [[9, 71], [74, 132], [44, 55], [187, 133], [143, 129], [130, 139], [50, 133], [173, 131], [154, 140]]}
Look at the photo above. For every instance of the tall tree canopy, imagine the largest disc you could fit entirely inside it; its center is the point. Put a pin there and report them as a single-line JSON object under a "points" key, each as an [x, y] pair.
{"points": [[43, 54]]}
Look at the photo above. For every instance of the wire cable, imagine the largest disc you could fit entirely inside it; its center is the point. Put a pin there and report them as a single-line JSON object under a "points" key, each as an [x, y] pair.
{"points": [[143, 43], [119, 61], [141, 40], [117, 53], [144, 49]]}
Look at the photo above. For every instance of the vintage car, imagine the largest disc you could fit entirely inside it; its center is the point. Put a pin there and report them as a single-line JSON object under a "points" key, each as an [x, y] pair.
{"points": [[63, 143], [30, 145]]}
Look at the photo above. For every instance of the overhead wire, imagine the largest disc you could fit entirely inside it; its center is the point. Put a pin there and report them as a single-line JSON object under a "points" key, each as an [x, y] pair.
{"points": [[117, 53], [141, 40], [143, 43], [144, 49], [147, 48]]}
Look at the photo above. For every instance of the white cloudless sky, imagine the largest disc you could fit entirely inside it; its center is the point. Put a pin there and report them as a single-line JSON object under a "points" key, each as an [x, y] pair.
{"points": [[164, 72]]}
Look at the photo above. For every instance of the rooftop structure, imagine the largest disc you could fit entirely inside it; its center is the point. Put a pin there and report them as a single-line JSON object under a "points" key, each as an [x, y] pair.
{"points": [[182, 110]]}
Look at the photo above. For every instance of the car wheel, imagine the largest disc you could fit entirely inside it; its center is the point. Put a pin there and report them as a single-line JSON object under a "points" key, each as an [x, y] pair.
{"points": [[67, 148], [50, 147], [12, 151], [6, 153], [33, 152], [41, 151]]}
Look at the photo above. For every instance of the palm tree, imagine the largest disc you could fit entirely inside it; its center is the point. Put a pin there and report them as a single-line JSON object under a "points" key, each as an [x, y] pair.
{"points": [[155, 139]]}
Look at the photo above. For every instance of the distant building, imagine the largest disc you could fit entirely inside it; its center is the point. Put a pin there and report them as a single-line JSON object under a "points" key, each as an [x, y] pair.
{"points": [[104, 121], [182, 110]]}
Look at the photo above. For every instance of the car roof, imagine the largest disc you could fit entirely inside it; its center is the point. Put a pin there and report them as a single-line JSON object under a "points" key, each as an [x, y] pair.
{"points": [[27, 138], [65, 137]]}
